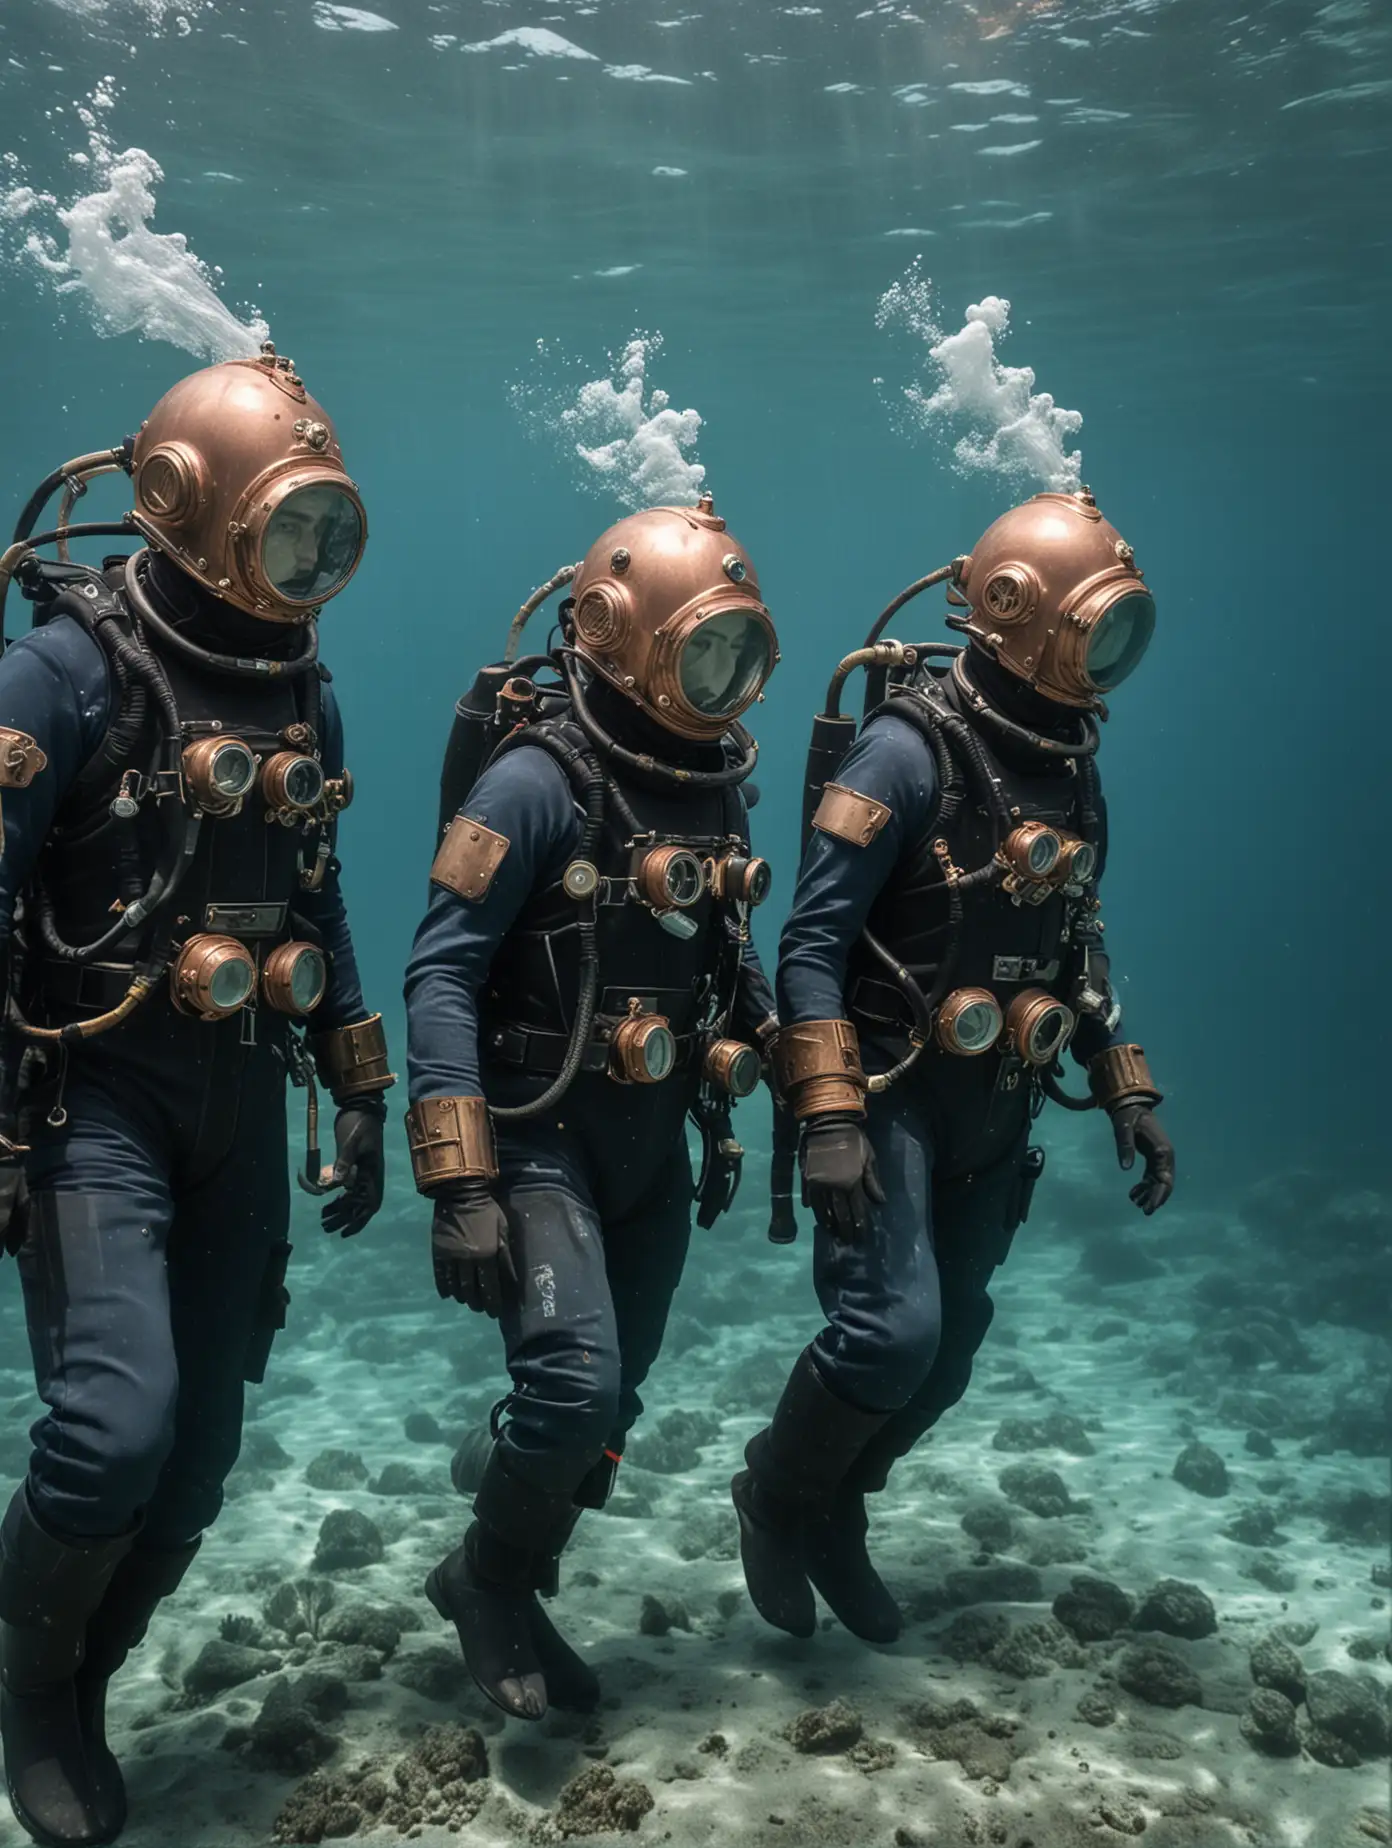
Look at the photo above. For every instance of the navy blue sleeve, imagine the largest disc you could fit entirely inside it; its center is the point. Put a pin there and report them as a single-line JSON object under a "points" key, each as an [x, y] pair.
{"points": [[55, 687], [754, 1002], [1093, 1035], [343, 998], [525, 796], [839, 882]]}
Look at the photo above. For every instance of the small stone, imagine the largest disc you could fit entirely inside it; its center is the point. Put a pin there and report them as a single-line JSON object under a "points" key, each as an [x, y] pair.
{"points": [[1274, 1664], [1121, 1814], [1267, 1571], [1178, 1609], [1358, 1517], [1202, 1470], [1059, 1431], [422, 1428], [1096, 1708], [1268, 1725], [661, 1615], [1258, 1444], [1005, 1582], [1030, 1485], [1110, 1328], [989, 1523], [435, 1673], [221, 1665], [366, 1626], [347, 1540], [1156, 1674], [1093, 1609], [399, 1479], [974, 1634], [336, 1470], [1255, 1525], [262, 1449], [1298, 1632], [834, 1728]]}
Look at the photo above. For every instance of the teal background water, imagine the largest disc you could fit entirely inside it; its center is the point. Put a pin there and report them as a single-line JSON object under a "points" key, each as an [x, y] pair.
{"points": [[1196, 254]]}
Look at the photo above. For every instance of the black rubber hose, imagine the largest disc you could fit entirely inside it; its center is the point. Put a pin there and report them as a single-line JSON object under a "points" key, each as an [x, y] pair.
{"points": [[640, 762], [897, 603], [1052, 1088], [237, 666], [583, 1024]]}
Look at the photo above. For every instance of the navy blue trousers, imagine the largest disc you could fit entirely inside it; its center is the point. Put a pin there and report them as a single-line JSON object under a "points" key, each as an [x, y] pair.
{"points": [[909, 1306], [152, 1272], [599, 1207]]}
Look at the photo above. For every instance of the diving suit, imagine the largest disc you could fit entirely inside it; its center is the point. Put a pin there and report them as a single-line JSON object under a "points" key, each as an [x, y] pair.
{"points": [[944, 947], [582, 982], [175, 945]]}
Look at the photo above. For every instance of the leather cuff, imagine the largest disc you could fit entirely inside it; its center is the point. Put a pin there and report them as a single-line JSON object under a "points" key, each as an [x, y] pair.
{"points": [[451, 1139], [352, 1061], [817, 1064], [1120, 1075]]}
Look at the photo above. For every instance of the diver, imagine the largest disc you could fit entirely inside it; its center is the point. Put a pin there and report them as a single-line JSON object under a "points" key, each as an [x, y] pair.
{"points": [[175, 946], [944, 947], [584, 980]]}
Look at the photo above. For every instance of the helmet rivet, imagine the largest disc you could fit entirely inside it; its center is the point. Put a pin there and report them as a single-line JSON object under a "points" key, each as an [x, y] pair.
{"points": [[629, 681], [734, 567], [1124, 552], [620, 559], [663, 700]]}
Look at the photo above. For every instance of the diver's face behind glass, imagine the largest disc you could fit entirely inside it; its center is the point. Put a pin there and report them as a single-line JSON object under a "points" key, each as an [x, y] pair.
{"points": [[311, 543], [725, 663]]}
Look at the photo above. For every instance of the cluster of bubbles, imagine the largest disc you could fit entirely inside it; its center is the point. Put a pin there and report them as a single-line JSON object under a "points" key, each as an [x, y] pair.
{"points": [[98, 250], [1003, 425], [631, 443]]}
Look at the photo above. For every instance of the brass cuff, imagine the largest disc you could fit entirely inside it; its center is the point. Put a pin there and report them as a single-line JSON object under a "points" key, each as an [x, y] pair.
{"points": [[451, 1139], [351, 1061], [20, 759], [817, 1064], [1120, 1075]]}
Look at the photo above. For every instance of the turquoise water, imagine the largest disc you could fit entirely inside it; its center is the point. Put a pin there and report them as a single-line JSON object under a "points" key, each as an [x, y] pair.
{"points": [[1185, 205]]}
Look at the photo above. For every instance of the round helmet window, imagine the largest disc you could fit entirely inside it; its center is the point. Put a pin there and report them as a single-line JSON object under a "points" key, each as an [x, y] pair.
{"points": [[311, 543], [726, 660], [1119, 639]]}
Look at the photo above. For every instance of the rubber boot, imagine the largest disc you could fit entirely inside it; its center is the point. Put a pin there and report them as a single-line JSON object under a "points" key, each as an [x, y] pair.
{"points": [[49, 1588], [145, 1577], [790, 1537], [486, 1586], [570, 1682]]}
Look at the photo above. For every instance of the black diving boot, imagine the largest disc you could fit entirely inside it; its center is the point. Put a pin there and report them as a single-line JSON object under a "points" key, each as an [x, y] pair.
{"points": [[145, 1577], [790, 1538], [570, 1682], [49, 1588], [486, 1587]]}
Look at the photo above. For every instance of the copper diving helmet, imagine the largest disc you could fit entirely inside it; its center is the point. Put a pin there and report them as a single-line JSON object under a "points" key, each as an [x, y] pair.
{"points": [[1055, 597], [239, 479], [667, 609]]}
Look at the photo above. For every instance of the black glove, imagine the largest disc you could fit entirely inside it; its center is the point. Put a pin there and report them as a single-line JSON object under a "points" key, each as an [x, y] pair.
{"points": [[358, 1167], [1136, 1126], [469, 1242], [14, 1208], [839, 1175]]}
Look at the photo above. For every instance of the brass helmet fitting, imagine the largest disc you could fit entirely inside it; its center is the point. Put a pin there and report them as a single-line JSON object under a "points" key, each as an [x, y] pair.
{"points": [[1055, 597], [667, 609], [240, 480]]}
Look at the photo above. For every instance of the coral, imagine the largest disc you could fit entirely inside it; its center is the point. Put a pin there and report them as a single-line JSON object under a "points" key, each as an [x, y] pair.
{"points": [[1177, 1608], [1158, 1675], [336, 1470], [1093, 1608], [826, 1729], [1030, 1485], [1202, 1470], [347, 1540]]}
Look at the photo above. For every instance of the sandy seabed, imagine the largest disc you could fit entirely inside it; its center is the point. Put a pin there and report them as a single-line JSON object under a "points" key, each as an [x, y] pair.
{"points": [[1118, 1345]]}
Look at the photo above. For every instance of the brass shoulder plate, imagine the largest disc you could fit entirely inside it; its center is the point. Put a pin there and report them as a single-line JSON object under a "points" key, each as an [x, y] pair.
{"points": [[849, 815], [469, 858], [20, 759]]}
